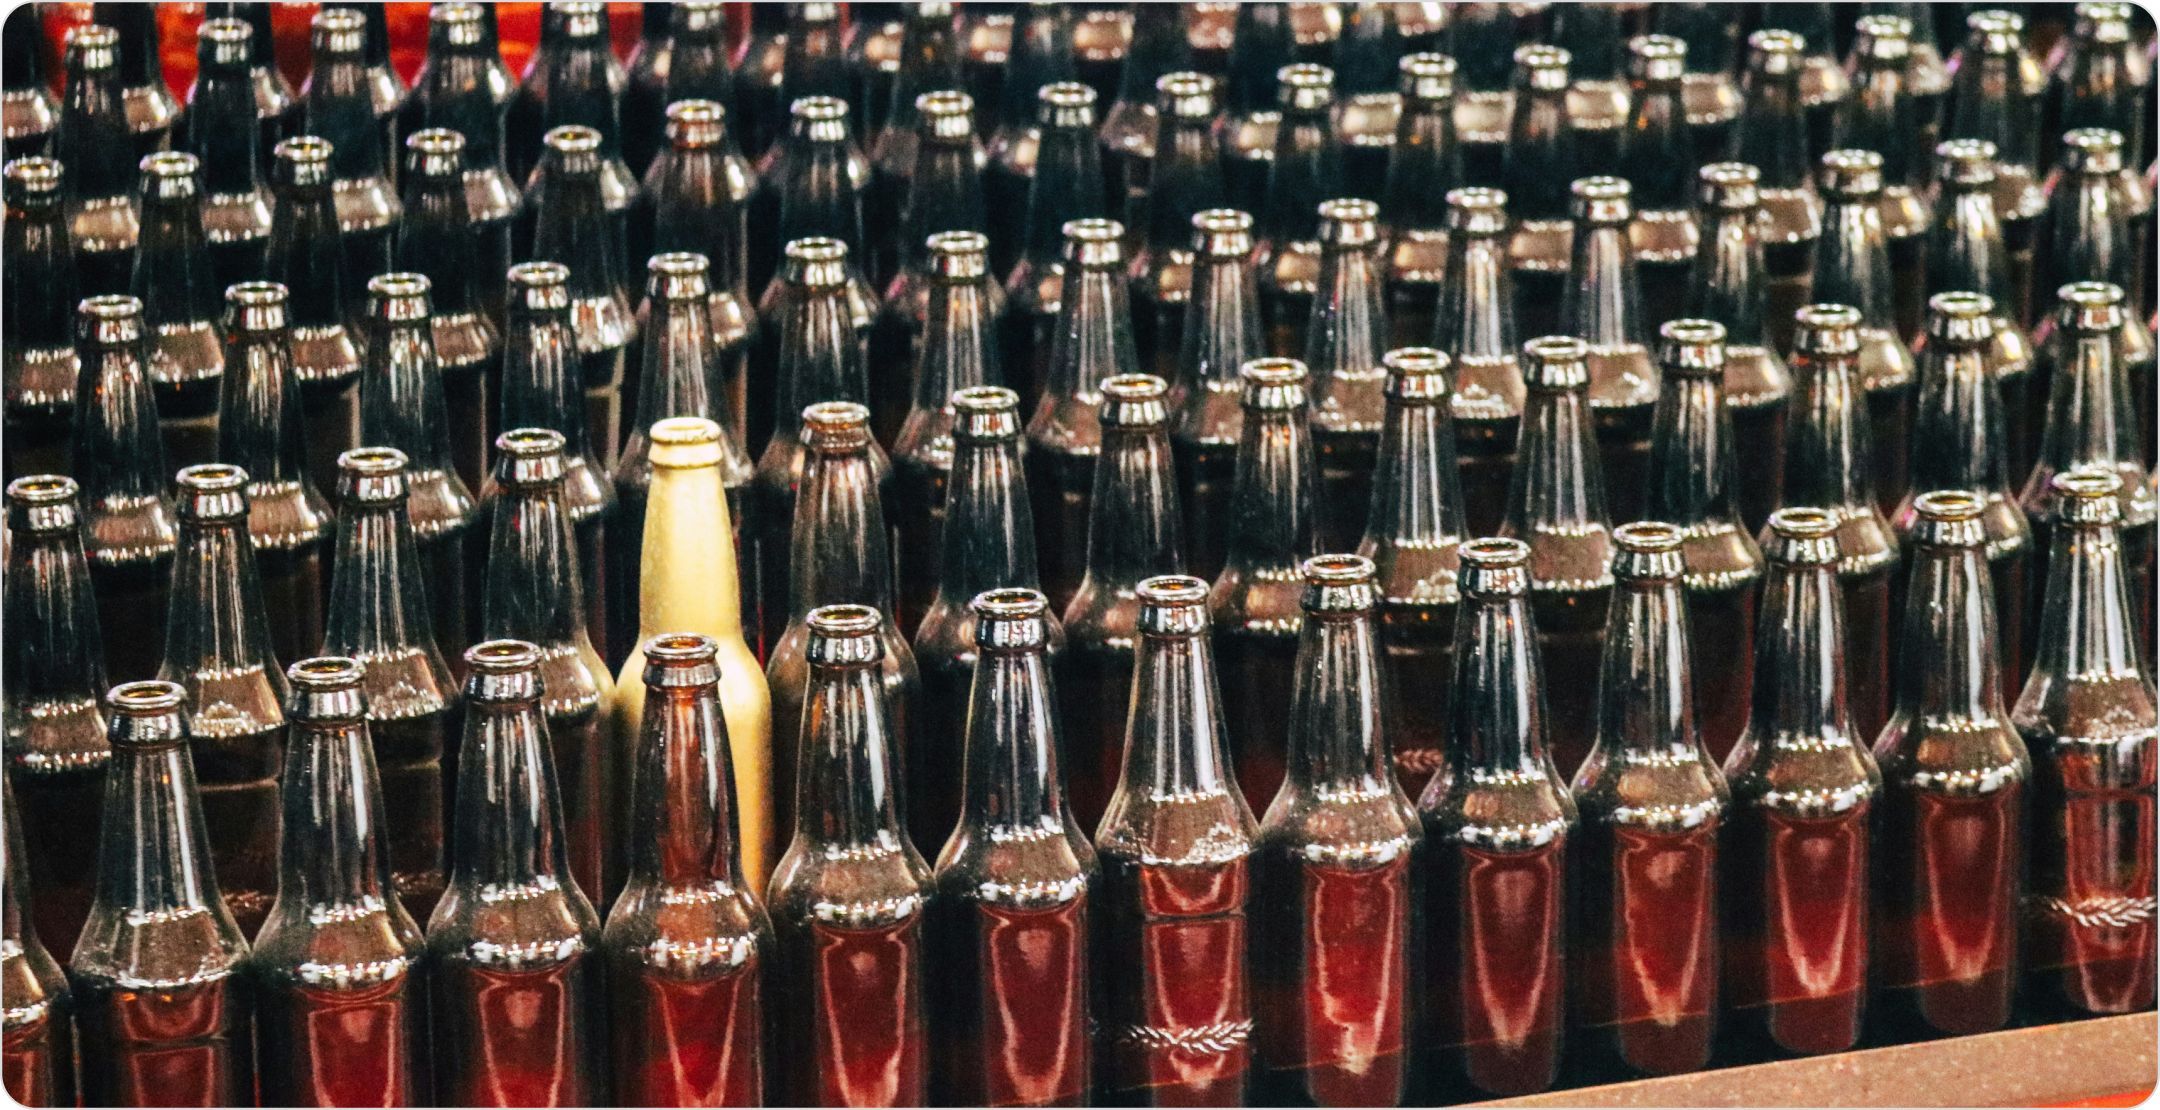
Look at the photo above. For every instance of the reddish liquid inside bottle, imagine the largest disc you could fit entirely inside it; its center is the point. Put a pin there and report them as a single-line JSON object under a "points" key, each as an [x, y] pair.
{"points": [[186, 1046], [1497, 969], [1947, 908], [1258, 673], [1646, 951], [1334, 983], [1869, 620], [853, 1033], [1013, 1020], [517, 1038], [1796, 928], [2091, 951], [1420, 668], [36, 1061], [1179, 1020], [1094, 692], [682, 1042], [342, 1047]]}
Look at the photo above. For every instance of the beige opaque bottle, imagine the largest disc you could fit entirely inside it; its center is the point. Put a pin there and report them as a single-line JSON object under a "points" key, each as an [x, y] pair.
{"points": [[688, 584]]}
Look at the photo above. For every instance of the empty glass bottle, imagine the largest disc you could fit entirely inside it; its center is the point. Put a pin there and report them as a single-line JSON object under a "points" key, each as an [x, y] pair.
{"points": [[1304, 171], [2096, 79], [1185, 179], [944, 196], [37, 1065], [1476, 330], [37, 310], [1852, 267], [1498, 825], [1603, 304], [338, 106], [1221, 334], [1066, 186], [1950, 830], [1260, 46], [337, 971], [29, 112], [172, 278], [1795, 865], [688, 944], [1598, 104], [223, 133], [1537, 172], [307, 257], [1014, 881], [163, 1015], [514, 923], [572, 227], [386, 90], [849, 897], [276, 104], [534, 591], [2085, 235], [93, 141], [1424, 165], [128, 526], [1338, 867], [928, 63], [2087, 717], [1771, 135], [438, 240], [379, 616], [1966, 254], [1692, 487], [462, 87], [258, 425], [1727, 284], [1651, 802], [56, 749], [696, 198], [1133, 126], [1658, 156], [1995, 90], [573, 81], [151, 106], [1346, 336], [1040, 54], [1882, 116]]}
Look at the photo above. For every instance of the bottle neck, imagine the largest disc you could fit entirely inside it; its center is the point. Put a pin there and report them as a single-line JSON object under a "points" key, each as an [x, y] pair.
{"points": [[1726, 283], [1538, 168], [1557, 482], [1425, 163], [340, 107], [540, 382], [821, 356], [172, 264], [1660, 155], [453, 92], [331, 856], [1175, 744], [844, 794], [677, 377], [259, 427], [1477, 301], [2089, 412], [988, 541], [1603, 303], [1012, 778], [118, 454], [436, 240], [690, 578], [696, 208], [819, 196], [1271, 526], [306, 256], [1306, 171], [581, 90], [92, 139], [39, 313], [1958, 432], [1949, 665], [1497, 719], [533, 589], [1222, 327], [222, 132], [1691, 456], [1827, 452], [1133, 529], [1347, 334], [1987, 95], [1880, 115], [1259, 50], [153, 852], [959, 349], [2090, 232], [1337, 740], [56, 655], [1646, 696], [2089, 631], [1093, 341], [1852, 260], [217, 624], [1158, 46], [839, 548], [378, 590], [574, 229], [1772, 132], [509, 818], [1417, 495], [401, 402], [684, 806], [1799, 699], [1041, 55], [945, 193], [1067, 186], [1966, 247], [1186, 180]]}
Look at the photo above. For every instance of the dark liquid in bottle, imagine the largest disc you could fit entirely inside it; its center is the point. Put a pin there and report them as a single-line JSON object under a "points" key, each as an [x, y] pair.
{"points": [[62, 810], [1946, 929], [1646, 952], [514, 1038], [1334, 989], [1796, 928], [1419, 664], [853, 1034], [182, 1046], [1061, 487], [1868, 621], [1721, 645], [36, 1062], [1205, 477], [669, 1048], [243, 822], [1497, 972], [2090, 951], [1094, 689], [1015, 1029], [1178, 1025], [1258, 674], [339, 1047]]}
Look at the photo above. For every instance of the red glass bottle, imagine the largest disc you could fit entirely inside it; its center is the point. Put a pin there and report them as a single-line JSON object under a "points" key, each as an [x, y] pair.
{"points": [[1345, 338], [1176, 847], [1852, 267], [850, 895], [1950, 833], [129, 529], [1337, 869], [1016, 885], [37, 1037], [1771, 134], [163, 1014], [1728, 284], [1603, 305], [2087, 715], [307, 256], [688, 944], [1796, 858], [1221, 333], [1498, 830], [516, 995], [1651, 804], [340, 1011], [1476, 330], [1424, 164]]}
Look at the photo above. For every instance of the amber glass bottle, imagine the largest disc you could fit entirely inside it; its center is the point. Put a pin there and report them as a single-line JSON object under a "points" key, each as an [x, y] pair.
{"points": [[1185, 179], [1537, 170], [1221, 334], [1345, 337], [696, 199], [904, 126], [944, 196], [573, 80], [439, 240], [32, 109], [574, 224], [462, 86], [1771, 135], [37, 1061], [1476, 330], [1658, 155], [1708, 89], [307, 257], [337, 107], [93, 141], [2086, 234], [129, 530], [1966, 255], [1039, 53], [1066, 185], [1132, 128], [1603, 305], [1995, 88], [1305, 170], [1728, 284], [173, 280], [1424, 165], [1852, 267], [37, 308], [1882, 116]]}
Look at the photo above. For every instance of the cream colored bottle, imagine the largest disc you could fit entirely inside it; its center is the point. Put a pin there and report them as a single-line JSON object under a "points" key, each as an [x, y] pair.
{"points": [[688, 584]]}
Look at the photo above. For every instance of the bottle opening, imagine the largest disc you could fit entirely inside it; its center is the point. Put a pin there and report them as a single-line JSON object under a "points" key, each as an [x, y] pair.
{"points": [[145, 698], [844, 622], [1949, 505], [502, 656], [1647, 537], [211, 478], [326, 672], [681, 648], [372, 461], [42, 489], [1337, 570], [1801, 524], [530, 443], [1010, 603]]}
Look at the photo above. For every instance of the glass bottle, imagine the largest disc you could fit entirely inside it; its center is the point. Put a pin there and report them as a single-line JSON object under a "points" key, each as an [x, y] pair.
{"points": [[38, 1062], [1176, 846], [1598, 99], [1882, 116], [1995, 90], [1185, 179], [1823, 83], [437, 240], [337, 106], [1927, 79], [574, 81], [1537, 171], [1771, 134], [1498, 821], [534, 591], [2096, 79], [944, 197], [696, 198], [1132, 127], [162, 1011], [37, 298], [151, 106], [688, 944], [514, 924], [1092, 343], [1305, 170], [1966, 254], [1338, 866], [1066, 186], [1692, 487], [93, 142], [1957, 444], [1424, 165], [692, 64], [1951, 827], [1476, 331], [29, 112], [276, 104], [696, 558], [928, 63], [1133, 534], [462, 87], [958, 352], [379, 616], [1374, 40], [1794, 868], [1483, 37], [1556, 506], [1015, 881], [57, 754], [222, 132], [1221, 334], [850, 895], [386, 90], [870, 62], [2085, 235], [651, 65], [1708, 91], [815, 61], [1253, 604], [1041, 54], [1603, 304], [258, 424], [172, 278], [1658, 155], [571, 227], [336, 971], [1651, 805], [1261, 44], [1345, 339], [2087, 717], [1727, 285], [307, 257], [129, 530], [1853, 267]]}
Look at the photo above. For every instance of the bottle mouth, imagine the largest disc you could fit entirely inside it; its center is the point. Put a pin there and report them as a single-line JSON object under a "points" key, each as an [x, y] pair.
{"points": [[1826, 329], [818, 109], [1337, 570], [2087, 495], [1647, 537], [1800, 523], [1185, 95], [836, 425], [573, 138], [816, 248], [530, 443], [1171, 591], [398, 297], [326, 672], [1494, 552], [256, 294], [212, 477], [678, 264], [1305, 87], [1949, 505], [502, 657], [685, 431], [146, 698], [985, 399], [1427, 77], [845, 635], [1010, 603], [42, 489], [372, 462], [1273, 373], [440, 141], [1692, 348], [681, 648]]}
